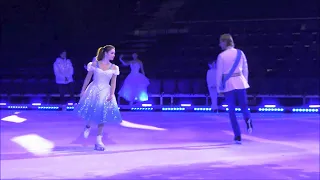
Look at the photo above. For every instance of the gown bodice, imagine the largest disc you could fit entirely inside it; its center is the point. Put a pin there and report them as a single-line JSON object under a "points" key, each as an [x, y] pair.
{"points": [[135, 67], [103, 77]]}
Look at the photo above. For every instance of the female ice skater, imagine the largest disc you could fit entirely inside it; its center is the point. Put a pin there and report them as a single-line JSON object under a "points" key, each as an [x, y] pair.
{"points": [[135, 85], [98, 103]]}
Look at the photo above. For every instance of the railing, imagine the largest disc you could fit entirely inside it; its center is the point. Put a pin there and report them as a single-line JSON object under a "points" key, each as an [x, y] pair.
{"points": [[172, 89], [191, 96], [207, 97]]}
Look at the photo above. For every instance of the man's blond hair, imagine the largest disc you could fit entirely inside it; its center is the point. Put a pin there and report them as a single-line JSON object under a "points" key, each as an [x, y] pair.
{"points": [[228, 39]]}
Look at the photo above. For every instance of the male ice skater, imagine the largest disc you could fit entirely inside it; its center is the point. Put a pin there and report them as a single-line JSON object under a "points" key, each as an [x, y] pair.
{"points": [[211, 82], [63, 71], [232, 80]]}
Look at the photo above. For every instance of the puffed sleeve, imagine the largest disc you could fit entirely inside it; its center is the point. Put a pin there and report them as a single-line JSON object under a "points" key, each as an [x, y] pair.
{"points": [[116, 70], [90, 67]]}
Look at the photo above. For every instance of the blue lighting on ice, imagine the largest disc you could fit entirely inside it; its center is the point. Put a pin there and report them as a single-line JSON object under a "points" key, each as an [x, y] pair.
{"points": [[181, 107]]}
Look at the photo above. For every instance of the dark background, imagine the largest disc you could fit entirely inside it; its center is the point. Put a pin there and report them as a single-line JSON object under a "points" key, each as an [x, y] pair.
{"points": [[175, 40]]}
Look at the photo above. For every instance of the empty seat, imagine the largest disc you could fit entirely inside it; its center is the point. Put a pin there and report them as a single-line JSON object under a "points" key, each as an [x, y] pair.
{"points": [[306, 38], [199, 86], [169, 86], [42, 86], [184, 86], [17, 87], [52, 87], [311, 86], [31, 86], [254, 86], [283, 86], [266, 86], [5, 86], [154, 86], [78, 86]]}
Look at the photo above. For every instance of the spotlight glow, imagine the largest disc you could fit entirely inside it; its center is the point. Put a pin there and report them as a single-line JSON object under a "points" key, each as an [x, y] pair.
{"points": [[14, 119], [34, 144], [140, 126]]}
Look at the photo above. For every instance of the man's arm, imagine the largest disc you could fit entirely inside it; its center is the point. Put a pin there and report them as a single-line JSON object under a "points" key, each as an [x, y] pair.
{"points": [[245, 70], [219, 73], [70, 69], [57, 70]]}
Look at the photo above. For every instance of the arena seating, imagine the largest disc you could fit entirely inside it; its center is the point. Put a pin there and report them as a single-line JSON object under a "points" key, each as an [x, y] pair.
{"points": [[266, 86], [282, 54], [288, 51]]}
